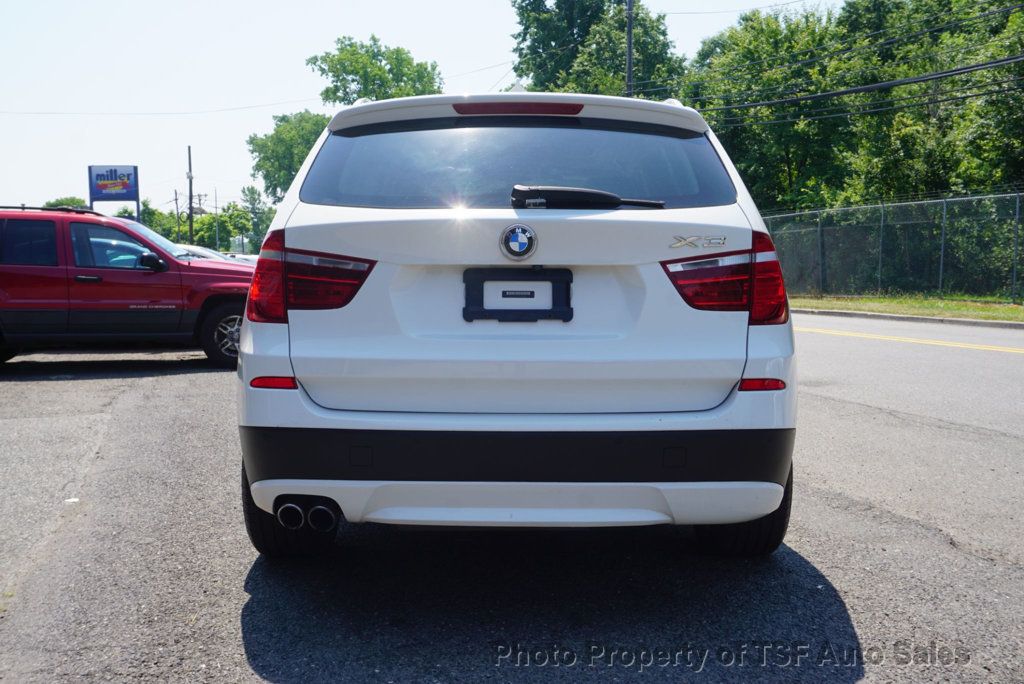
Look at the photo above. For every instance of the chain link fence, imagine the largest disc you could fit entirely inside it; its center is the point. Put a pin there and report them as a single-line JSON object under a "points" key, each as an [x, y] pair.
{"points": [[962, 246]]}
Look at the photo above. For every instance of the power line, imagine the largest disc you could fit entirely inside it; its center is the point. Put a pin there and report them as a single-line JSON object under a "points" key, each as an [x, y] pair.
{"points": [[996, 91], [792, 2], [503, 77], [733, 11], [884, 43], [845, 107], [930, 29], [561, 48], [486, 68], [179, 113], [877, 86], [795, 86], [815, 116], [916, 34]]}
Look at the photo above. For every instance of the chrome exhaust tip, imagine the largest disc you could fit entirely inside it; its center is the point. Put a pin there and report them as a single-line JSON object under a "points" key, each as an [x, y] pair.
{"points": [[322, 518], [290, 516]]}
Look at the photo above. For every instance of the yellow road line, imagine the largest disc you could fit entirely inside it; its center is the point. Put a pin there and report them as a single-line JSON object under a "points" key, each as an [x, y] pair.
{"points": [[914, 340]]}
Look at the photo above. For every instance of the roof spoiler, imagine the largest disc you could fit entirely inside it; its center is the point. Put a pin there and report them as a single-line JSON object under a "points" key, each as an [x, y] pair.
{"points": [[670, 112]]}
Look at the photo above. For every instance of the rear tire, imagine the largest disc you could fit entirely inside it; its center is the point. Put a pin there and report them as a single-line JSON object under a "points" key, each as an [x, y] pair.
{"points": [[758, 537], [219, 334], [272, 539]]}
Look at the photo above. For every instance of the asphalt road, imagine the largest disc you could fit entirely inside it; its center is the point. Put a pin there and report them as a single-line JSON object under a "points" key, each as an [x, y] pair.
{"points": [[123, 555]]}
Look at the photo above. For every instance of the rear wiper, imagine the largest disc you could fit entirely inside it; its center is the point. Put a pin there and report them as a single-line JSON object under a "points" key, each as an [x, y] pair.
{"points": [[558, 197]]}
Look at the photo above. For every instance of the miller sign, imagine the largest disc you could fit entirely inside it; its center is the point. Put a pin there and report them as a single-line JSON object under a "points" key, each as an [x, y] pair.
{"points": [[113, 183]]}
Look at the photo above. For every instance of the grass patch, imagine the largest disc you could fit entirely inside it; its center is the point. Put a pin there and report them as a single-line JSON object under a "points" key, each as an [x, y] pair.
{"points": [[954, 306]]}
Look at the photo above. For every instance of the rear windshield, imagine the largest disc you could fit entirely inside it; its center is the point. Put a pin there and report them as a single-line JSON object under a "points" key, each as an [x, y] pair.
{"points": [[475, 161]]}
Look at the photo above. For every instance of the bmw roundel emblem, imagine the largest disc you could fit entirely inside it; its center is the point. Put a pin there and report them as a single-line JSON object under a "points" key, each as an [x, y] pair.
{"points": [[518, 241]]}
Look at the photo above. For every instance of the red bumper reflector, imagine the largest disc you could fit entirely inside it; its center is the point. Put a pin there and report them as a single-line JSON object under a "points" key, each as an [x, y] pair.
{"points": [[274, 382], [556, 108], [761, 384]]}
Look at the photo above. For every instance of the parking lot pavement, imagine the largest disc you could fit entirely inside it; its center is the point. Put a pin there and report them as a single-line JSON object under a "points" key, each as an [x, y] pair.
{"points": [[123, 552]]}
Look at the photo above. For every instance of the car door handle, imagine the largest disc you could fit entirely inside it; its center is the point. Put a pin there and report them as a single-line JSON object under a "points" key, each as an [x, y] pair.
{"points": [[88, 279]]}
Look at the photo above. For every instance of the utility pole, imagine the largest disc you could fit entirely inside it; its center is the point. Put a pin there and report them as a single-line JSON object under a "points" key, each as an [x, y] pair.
{"points": [[177, 219], [629, 48], [191, 234], [216, 221]]}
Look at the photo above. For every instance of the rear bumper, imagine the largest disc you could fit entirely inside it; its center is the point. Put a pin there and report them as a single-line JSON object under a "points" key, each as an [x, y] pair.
{"points": [[524, 478], [272, 453], [534, 504]]}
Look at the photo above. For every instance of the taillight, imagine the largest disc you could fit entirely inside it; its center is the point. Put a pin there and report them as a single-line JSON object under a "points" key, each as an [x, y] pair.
{"points": [[322, 281], [295, 279], [266, 291], [750, 280], [770, 305]]}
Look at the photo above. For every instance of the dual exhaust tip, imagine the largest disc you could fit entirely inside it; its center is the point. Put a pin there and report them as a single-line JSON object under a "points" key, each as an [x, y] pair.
{"points": [[319, 518]]}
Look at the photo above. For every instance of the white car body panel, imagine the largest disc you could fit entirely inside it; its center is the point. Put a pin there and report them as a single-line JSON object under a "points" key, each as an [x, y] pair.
{"points": [[635, 357], [403, 345], [739, 411], [535, 504]]}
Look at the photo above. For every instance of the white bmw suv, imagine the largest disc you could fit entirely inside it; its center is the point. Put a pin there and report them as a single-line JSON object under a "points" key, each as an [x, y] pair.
{"points": [[517, 310]]}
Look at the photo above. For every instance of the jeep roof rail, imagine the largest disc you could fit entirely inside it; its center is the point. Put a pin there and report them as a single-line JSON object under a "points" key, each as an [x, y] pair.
{"points": [[76, 210]]}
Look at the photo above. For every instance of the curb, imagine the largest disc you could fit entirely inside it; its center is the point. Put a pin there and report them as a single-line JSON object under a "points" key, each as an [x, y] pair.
{"points": [[1011, 325]]}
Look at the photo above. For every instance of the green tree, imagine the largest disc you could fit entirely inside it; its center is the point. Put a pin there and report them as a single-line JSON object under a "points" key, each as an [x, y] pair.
{"points": [[259, 211], [355, 69], [280, 153], [232, 221], [162, 222], [990, 129], [758, 60], [600, 65], [550, 37], [69, 201], [886, 144]]}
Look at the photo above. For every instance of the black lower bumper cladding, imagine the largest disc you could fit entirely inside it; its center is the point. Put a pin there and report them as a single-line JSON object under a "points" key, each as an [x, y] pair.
{"points": [[666, 456]]}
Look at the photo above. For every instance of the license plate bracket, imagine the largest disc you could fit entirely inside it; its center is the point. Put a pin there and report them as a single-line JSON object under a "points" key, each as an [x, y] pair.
{"points": [[520, 289]]}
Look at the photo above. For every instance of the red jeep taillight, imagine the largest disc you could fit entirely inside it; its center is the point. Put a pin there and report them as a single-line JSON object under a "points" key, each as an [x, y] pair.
{"points": [[294, 279], [750, 280]]}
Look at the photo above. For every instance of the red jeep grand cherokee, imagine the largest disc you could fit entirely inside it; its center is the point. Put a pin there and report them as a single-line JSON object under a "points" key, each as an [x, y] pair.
{"points": [[70, 277]]}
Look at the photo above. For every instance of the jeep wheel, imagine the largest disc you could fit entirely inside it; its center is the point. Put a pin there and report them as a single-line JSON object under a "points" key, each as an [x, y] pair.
{"points": [[219, 334]]}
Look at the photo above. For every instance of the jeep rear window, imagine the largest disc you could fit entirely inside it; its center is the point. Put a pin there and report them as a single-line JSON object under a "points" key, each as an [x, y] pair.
{"points": [[28, 242], [475, 161]]}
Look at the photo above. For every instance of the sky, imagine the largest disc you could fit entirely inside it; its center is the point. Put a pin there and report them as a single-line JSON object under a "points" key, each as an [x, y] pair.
{"points": [[134, 83]]}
